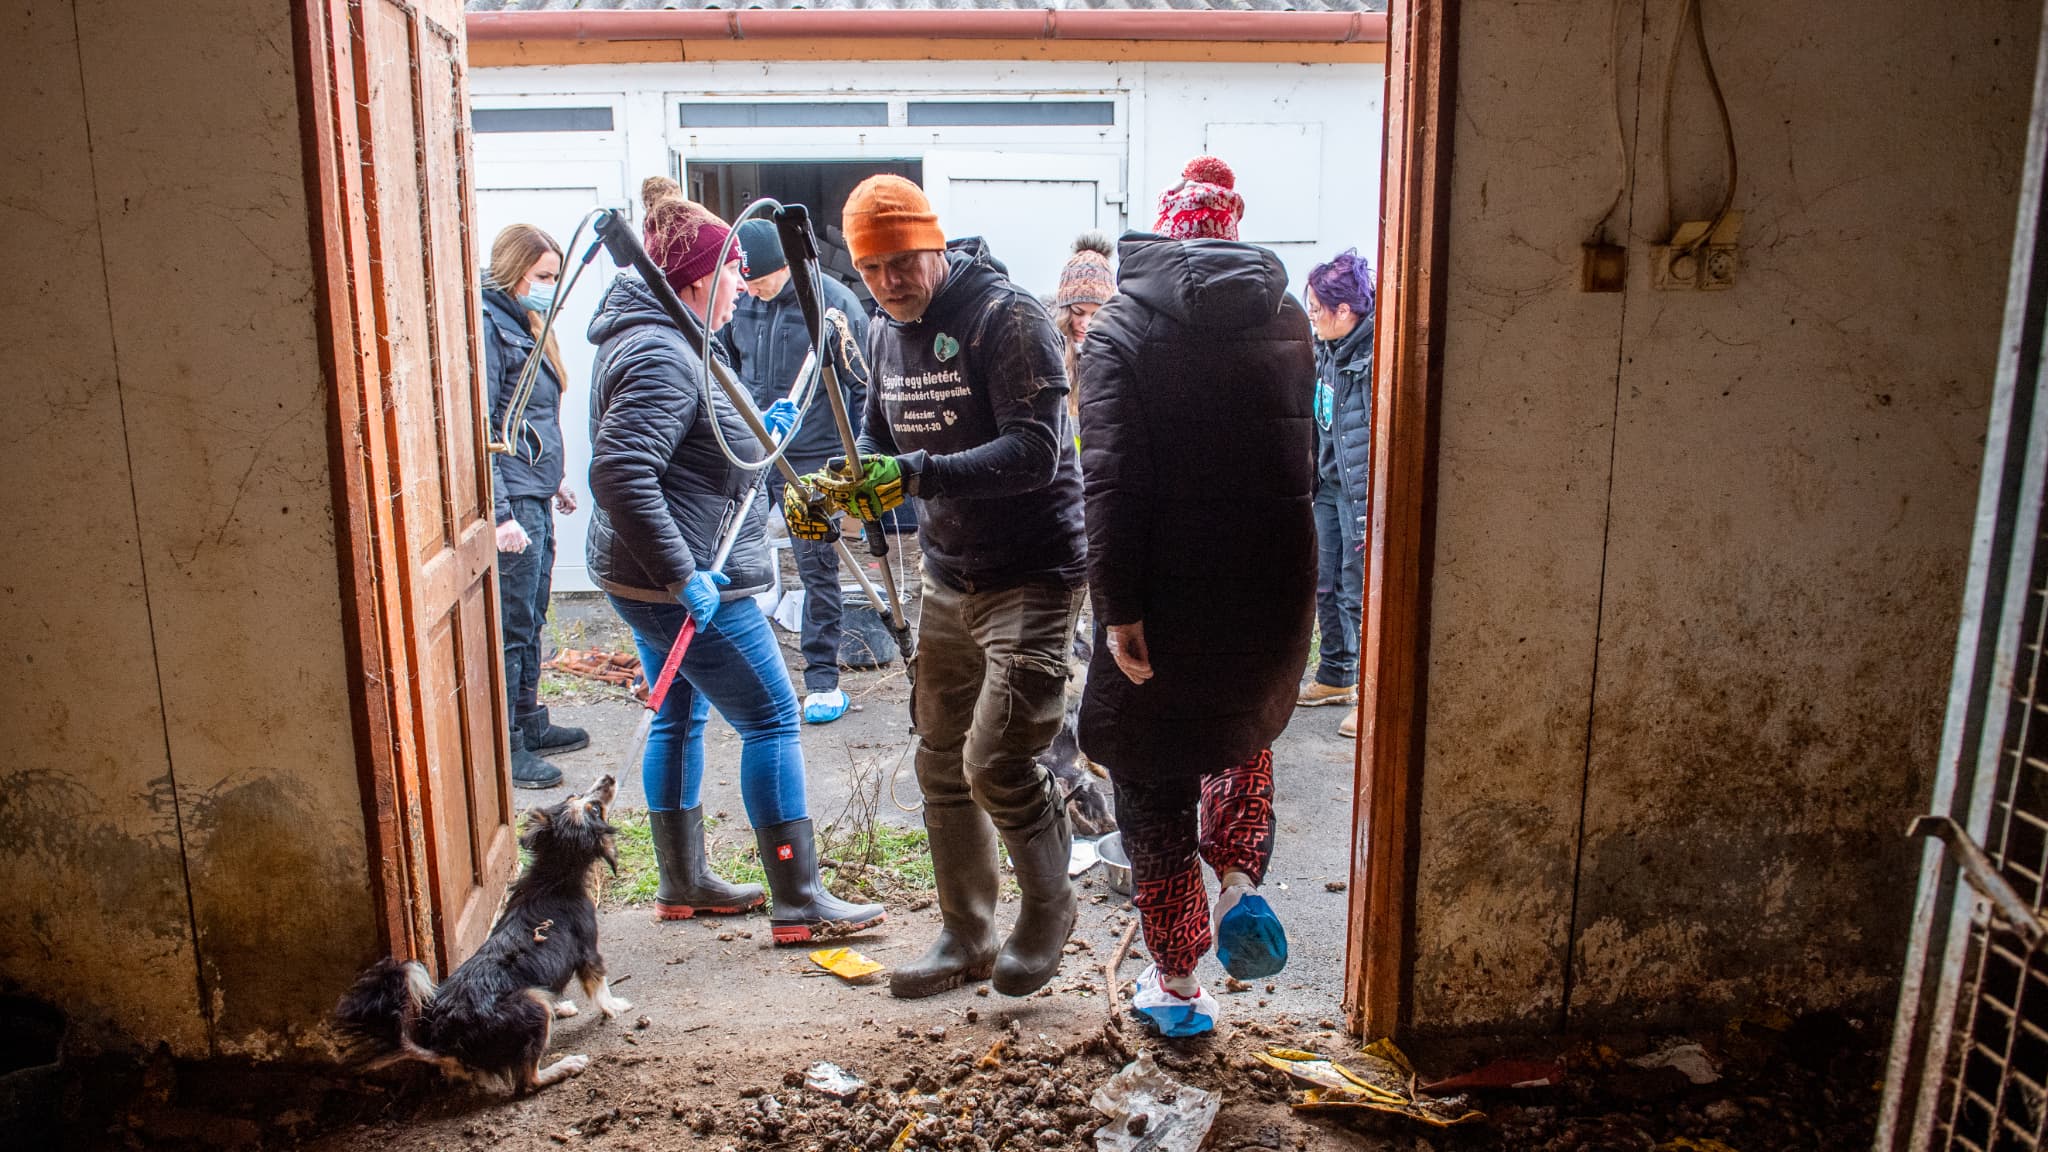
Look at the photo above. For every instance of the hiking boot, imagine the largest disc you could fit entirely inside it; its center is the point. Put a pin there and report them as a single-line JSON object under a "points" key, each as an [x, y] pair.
{"points": [[528, 770], [1349, 725], [803, 910], [963, 845], [1318, 694], [1045, 915], [545, 738], [688, 885]]}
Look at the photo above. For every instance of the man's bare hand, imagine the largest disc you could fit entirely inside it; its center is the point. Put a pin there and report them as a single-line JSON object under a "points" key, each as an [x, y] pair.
{"points": [[1127, 646]]}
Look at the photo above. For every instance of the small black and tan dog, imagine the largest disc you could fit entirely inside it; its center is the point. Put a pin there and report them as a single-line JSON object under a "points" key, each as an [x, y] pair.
{"points": [[490, 1021]]}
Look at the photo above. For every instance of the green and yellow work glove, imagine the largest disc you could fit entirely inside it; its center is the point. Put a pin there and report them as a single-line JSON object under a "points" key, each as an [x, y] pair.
{"points": [[869, 498], [805, 521]]}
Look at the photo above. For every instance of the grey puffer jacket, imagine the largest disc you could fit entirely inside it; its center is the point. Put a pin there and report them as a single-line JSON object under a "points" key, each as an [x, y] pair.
{"points": [[1199, 465], [664, 492], [1344, 449]]}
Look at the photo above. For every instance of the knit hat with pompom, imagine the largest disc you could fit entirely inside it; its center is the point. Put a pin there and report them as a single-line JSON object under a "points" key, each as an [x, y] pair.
{"points": [[1203, 205], [683, 236], [1086, 279]]}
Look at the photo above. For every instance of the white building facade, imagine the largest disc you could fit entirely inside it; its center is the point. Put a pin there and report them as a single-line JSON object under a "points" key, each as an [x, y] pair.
{"points": [[1027, 154]]}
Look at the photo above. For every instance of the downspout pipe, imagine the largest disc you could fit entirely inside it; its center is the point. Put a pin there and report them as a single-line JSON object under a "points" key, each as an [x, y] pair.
{"points": [[931, 24]]}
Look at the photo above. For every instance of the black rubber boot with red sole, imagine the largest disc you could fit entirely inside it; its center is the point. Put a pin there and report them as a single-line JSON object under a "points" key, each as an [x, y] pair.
{"points": [[804, 911], [688, 885]]}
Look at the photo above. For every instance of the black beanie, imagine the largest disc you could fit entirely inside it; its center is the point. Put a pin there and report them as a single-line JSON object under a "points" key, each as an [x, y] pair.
{"points": [[760, 249]]}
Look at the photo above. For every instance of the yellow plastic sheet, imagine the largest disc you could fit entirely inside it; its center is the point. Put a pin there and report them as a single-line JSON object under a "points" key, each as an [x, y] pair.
{"points": [[1382, 1080], [845, 963]]}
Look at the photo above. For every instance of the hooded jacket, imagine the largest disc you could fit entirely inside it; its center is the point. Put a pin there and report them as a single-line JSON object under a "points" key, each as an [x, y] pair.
{"points": [[664, 491], [1199, 458], [766, 344], [535, 466], [974, 393], [1344, 449]]}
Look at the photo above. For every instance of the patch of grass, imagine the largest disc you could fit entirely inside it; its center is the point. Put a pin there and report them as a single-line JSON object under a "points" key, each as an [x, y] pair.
{"points": [[879, 862]]}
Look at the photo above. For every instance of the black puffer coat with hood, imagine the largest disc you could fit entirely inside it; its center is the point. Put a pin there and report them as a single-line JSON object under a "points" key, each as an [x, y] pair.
{"points": [[1198, 460], [664, 492]]}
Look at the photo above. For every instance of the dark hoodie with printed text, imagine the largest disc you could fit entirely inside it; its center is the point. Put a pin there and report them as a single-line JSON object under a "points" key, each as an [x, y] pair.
{"points": [[974, 391]]}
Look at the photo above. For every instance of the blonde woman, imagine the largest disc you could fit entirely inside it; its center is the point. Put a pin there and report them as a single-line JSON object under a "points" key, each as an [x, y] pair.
{"points": [[519, 285]]}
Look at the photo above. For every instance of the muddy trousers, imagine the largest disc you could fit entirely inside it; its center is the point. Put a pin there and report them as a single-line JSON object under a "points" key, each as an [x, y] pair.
{"points": [[990, 695], [1170, 826]]}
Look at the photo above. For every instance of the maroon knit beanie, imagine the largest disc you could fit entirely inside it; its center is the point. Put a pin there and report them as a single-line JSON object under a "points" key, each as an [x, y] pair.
{"points": [[1203, 205], [684, 237]]}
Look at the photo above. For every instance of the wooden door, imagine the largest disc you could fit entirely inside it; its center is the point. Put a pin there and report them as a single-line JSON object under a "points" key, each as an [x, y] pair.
{"points": [[387, 135]]}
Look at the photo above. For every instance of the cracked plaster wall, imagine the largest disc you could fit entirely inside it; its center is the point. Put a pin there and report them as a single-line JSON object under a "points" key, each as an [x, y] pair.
{"points": [[1751, 508], [185, 860]]}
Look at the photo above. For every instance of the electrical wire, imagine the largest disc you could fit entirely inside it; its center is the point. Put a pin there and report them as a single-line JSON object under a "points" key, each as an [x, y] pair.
{"points": [[1689, 13], [1620, 133]]}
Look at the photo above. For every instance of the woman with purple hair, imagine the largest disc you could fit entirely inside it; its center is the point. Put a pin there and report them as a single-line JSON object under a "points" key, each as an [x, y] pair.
{"points": [[1340, 309]]}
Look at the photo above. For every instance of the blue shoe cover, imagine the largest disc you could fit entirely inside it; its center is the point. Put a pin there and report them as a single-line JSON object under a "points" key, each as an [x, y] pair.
{"points": [[1250, 943], [825, 707], [1171, 1014]]}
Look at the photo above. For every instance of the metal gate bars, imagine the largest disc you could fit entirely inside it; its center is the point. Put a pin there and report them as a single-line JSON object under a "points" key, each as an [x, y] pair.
{"points": [[1969, 1061]]}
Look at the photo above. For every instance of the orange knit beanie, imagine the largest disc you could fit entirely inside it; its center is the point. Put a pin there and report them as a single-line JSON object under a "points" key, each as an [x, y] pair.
{"points": [[888, 214]]}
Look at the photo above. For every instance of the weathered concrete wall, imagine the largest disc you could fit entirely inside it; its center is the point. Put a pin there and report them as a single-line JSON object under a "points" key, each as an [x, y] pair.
{"points": [[1722, 535], [174, 683]]}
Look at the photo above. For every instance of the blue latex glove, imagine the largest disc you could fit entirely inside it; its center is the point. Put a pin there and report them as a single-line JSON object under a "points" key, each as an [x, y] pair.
{"points": [[700, 595], [780, 418]]}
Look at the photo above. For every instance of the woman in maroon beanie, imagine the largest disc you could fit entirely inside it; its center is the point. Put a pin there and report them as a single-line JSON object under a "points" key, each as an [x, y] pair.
{"points": [[666, 493]]}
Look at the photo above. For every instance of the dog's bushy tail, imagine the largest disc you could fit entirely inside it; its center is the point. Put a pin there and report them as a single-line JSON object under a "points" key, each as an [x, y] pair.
{"points": [[376, 1016]]}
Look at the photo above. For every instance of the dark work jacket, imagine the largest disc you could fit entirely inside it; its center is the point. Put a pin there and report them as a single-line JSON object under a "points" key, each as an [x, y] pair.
{"points": [[1344, 450], [976, 392], [1199, 456], [535, 465], [663, 491], [767, 342]]}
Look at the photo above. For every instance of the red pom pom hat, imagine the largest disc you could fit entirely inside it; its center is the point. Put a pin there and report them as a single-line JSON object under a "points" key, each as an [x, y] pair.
{"points": [[1203, 205]]}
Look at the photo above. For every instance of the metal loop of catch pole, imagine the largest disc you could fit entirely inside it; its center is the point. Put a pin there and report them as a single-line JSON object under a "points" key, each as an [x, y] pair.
{"points": [[529, 373], [759, 209]]}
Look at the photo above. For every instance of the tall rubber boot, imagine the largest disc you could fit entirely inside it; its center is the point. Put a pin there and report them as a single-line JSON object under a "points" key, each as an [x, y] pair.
{"points": [[803, 910], [1045, 915], [964, 865], [688, 885]]}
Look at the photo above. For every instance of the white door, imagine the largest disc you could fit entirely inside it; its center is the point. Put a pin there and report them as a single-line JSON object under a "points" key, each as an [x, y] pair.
{"points": [[505, 195], [1029, 207]]}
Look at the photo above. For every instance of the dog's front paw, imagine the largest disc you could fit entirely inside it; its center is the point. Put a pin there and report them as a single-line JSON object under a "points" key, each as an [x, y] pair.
{"points": [[564, 1010], [573, 1065], [613, 1007]]}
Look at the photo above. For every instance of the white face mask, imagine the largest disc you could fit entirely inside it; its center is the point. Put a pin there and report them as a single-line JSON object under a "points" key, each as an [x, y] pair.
{"points": [[539, 296]]}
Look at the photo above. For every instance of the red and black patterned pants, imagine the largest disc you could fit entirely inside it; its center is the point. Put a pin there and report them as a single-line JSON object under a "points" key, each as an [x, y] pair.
{"points": [[1170, 825]]}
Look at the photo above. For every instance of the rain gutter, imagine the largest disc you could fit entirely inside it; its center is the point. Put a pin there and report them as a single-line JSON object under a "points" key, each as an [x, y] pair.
{"points": [[935, 24]]}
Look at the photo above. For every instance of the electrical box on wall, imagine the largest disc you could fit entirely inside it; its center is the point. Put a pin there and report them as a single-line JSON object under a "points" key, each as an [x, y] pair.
{"points": [[1701, 255]]}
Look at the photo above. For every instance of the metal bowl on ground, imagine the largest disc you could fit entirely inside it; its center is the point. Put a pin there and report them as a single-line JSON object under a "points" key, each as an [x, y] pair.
{"points": [[1116, 866]]}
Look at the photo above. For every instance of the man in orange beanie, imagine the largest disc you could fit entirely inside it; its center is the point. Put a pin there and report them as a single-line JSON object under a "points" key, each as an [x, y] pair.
{"points": [[966, 410]]}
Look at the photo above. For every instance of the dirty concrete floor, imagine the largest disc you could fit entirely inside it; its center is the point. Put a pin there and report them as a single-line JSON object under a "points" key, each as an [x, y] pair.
{"points": [[725, 1015], [723, 1026]]}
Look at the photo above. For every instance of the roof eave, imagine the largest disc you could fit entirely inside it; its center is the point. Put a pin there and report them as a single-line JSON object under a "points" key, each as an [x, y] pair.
{"points": [[943, 24]]}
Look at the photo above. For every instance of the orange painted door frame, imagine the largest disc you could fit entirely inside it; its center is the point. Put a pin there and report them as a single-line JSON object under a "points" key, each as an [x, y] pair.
{"points": [[1407, 386], [384, 99]]}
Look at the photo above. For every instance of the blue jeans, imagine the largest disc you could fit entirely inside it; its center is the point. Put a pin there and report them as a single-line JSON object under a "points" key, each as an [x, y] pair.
{"points": [[736, 666], [1340, 585], [524, 580]]}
